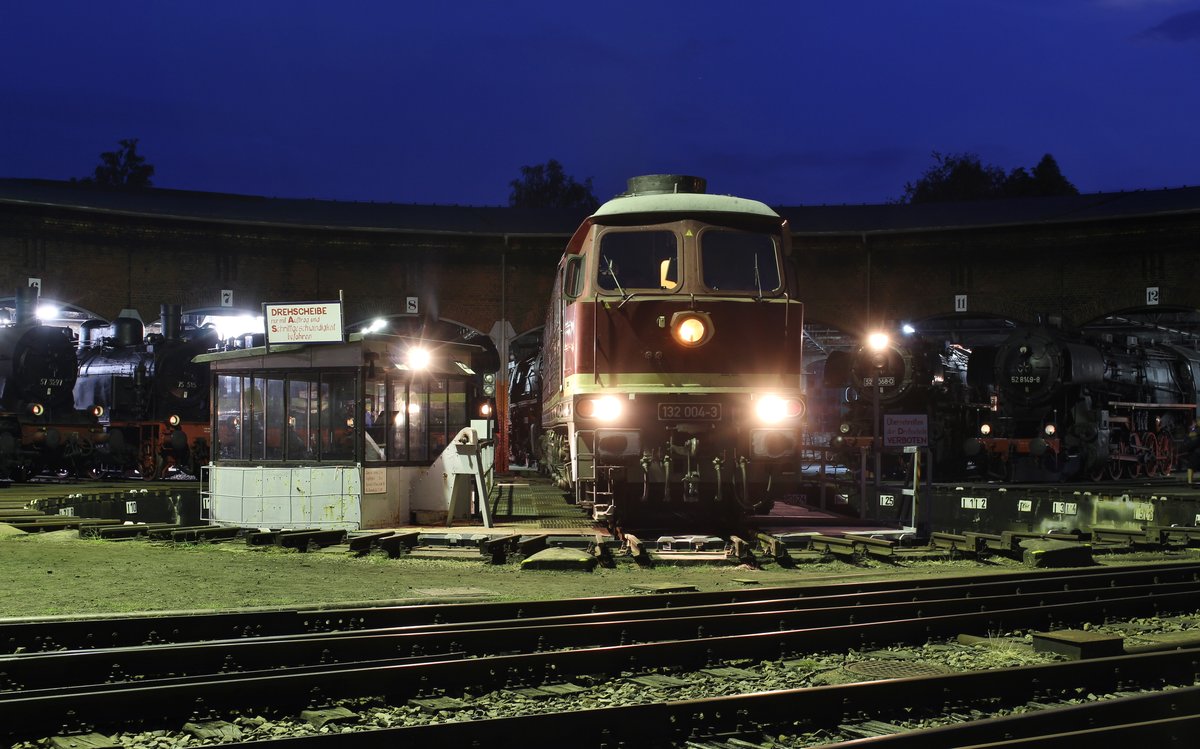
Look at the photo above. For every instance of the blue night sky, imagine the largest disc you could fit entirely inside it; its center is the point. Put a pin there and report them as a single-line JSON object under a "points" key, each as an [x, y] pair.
{"points": [[788, 102]]}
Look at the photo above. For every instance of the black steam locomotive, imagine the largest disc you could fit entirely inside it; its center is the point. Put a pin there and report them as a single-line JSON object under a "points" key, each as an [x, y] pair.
{"points": [[525, 408], [150, 396], [40, 428], [918, 386], [1073, 406]]}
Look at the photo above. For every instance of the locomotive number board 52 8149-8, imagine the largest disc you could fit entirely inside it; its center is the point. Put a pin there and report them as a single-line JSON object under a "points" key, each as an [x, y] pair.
{"points": [[689, 411]]}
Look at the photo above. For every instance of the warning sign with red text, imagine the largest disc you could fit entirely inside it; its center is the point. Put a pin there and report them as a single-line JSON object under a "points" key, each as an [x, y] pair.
{"points": [[303, 322]]}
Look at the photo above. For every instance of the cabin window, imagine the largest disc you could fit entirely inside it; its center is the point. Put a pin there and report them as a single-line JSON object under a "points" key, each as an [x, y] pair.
{"points": [[228, 436], [638, 260], [277, 417], [418, 418], [303, 411], [338, 416], [276, 436], [739, 261], [375, 421]]}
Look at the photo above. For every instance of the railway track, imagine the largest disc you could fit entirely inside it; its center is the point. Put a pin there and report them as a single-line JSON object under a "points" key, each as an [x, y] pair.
{"points": [[412, 655]]}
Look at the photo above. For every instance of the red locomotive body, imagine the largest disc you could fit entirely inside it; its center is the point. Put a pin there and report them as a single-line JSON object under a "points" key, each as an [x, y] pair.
{"points": [[673, 358]]}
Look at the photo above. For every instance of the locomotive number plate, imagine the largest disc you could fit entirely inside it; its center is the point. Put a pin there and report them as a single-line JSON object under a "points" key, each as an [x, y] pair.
{"points": [[689, 411]]}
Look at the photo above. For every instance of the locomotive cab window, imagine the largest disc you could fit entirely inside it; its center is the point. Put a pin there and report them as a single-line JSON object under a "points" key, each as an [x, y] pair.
{"points": [[641, 260], [739, 261]]}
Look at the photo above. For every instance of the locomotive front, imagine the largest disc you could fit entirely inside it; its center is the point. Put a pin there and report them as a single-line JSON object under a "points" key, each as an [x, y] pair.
{"points": [[39, 426], [673, 359], [37, 368]]}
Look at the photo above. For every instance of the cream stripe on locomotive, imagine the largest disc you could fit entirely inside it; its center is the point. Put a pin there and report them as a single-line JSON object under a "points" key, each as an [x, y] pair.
{"points": [[653, 382]]}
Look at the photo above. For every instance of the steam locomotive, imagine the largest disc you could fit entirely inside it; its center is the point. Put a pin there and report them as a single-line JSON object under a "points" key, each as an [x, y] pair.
{"points": [[149, 395], [919, 387], [40, 428], [524, 408], [1073, 406], [672, 360]]}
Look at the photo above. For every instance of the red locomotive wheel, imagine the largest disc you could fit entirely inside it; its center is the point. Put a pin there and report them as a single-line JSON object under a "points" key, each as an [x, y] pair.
{"points": [[1150, 454], [1165, 455]]}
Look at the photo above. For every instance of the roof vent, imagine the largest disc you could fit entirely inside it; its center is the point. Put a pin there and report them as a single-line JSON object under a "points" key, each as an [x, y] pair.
{"points": [[658, 184]]}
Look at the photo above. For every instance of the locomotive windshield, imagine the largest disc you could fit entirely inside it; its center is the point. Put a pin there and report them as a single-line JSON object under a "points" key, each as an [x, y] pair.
{"points": [[639, 260], [739, 261]]}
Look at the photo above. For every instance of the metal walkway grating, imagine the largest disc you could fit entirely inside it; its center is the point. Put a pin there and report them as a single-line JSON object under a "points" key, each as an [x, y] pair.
{"points": [[535, 502]]}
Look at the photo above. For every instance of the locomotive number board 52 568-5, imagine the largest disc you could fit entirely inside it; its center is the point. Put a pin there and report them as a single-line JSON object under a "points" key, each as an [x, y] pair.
{"points": [[689, 411]]}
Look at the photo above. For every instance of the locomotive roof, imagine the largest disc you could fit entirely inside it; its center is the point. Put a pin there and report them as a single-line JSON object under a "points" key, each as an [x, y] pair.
{"points": [[682, 203]]}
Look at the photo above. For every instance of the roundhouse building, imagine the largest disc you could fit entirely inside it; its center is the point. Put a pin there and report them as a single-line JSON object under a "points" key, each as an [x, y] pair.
{"points": [[1129, 258]]}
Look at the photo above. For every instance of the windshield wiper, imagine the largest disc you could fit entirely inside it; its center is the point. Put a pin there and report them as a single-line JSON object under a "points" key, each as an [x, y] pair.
{"points": [[613, 272], [757, 280]]}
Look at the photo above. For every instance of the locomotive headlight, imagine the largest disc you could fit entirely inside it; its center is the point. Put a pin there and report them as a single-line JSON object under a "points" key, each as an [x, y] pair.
{"points": [[691, 329], [37, 409], [174, 420], [772, 408], [604, 408], [1050, 430], [485, 409], [844, 428], [985, 429], [96, 411], [418, 358]]}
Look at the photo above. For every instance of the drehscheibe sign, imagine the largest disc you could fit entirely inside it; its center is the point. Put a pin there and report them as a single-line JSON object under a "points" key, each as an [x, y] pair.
{"points": [[303, 322]]}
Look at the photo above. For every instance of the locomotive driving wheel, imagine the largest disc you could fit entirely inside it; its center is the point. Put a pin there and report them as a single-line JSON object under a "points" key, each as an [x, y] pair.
{"points": [[1135, 468], [1117, 465], [1164, 456], [1150, 453]]}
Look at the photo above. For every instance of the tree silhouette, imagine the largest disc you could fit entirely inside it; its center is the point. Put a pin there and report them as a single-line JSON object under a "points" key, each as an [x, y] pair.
{"points": [[546, 186], [960, 177], [124, 167]]}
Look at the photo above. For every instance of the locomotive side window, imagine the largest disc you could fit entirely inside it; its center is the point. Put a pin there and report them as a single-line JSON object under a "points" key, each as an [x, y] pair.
{"points": [[638, 260], [739, 261]]}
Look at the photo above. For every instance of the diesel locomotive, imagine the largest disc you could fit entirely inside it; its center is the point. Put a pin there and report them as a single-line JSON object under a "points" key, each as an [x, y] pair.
{"points": [[1073, 406], [151, 398], [672, 359]]}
